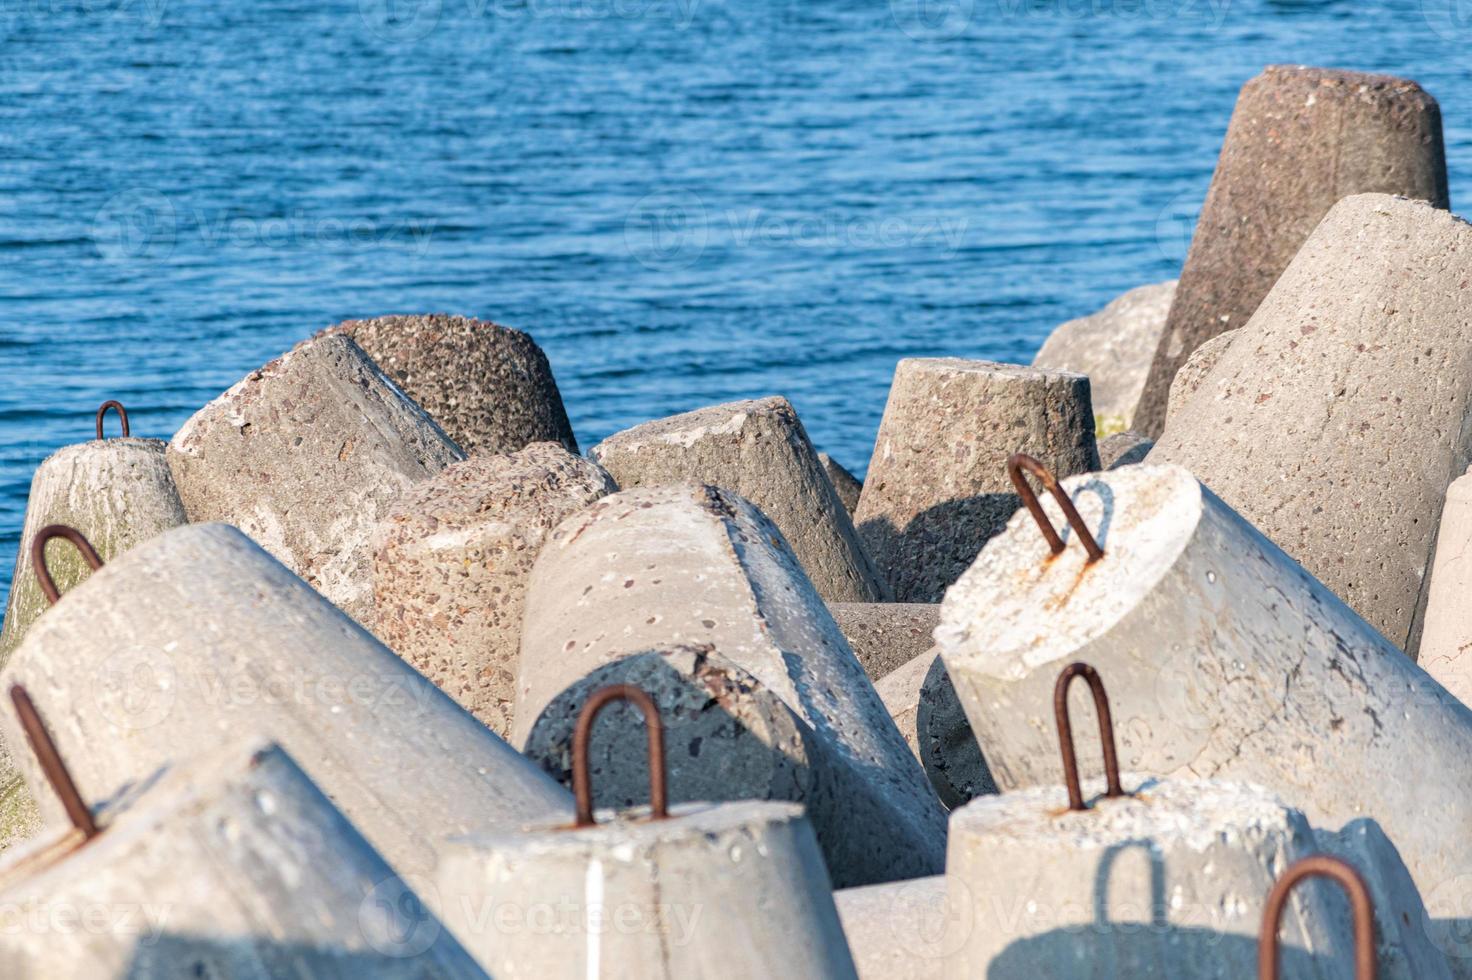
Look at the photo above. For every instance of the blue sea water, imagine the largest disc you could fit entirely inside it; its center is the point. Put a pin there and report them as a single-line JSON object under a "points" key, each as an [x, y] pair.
{"points": [[683, 201]]}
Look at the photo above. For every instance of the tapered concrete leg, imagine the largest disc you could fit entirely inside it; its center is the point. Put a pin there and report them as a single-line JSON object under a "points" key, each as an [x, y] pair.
{"points": [[1317, 423], [1223, 657], [1123, 449], [1448, 635], [927, 712], [450, 564], [847, 486], [192, 638], [1195, 369], [489, 387], [1168, 883], [886, 635], [937, 487], [1113, 348], [760, 450], [730, 891], [658, 566], [230, 865], [306, 455], [901, 930], [1300, 140]]}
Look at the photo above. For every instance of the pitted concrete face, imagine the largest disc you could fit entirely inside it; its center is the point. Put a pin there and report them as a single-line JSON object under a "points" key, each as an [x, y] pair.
{"points": [[306, 455], [451, 561], [233, 863], [488, 386], [729, 891], [1041, 608], [886, 635]]}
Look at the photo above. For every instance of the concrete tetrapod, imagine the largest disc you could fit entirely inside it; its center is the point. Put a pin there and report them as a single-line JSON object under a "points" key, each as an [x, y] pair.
{"points": [[1317, 423], [927, 712], [1194, 371], [1226, 660], [760, 450], [937, 486], [1123, 449], [306, 455], [231, 864], [198, 636], [845, 484], [488, 386], [1135, 878], [1300, 140], [886, 635], [734, 890], [900, 930], [658, 566], [1448, 633], [451, 560]]}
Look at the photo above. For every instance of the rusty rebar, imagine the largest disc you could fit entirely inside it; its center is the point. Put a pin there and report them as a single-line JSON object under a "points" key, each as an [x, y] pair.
{"points": [[581, 784], [38, 556], [1018, 462], [122, 414], [1319, 866], [1065, 733], [52, 765]]}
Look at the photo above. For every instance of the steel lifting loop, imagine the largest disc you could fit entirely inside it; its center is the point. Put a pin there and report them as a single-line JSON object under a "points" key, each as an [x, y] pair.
{"points": [[1018, 462], [122, 414], [1065, 733], [51, 764], [1320, 866], [38, 556], [581, 789]]}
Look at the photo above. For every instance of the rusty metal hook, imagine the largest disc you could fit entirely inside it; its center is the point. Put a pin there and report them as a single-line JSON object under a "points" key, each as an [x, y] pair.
{"points": [[581, 784], [38, 556], [1018, 462], [1065, 733], [52, 765], [122, 414], [1320, 866]]}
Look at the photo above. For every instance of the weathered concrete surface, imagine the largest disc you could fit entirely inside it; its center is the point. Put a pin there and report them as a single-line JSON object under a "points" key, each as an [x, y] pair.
{"points": [[714, 892], [1318, 423], [1222, 657], [659, 566], [488, 386], [451, 560], [900, 930], [760, 450], [1448, 634], [924, 706], [306, 455], [230, 865], [1194, 371], [1300, 140], [1123, 449], [1113, 347], [726, 736], [845, 484], [1168, 883], [937, 487], [1403, 930], [198, 636], [886, 635]]}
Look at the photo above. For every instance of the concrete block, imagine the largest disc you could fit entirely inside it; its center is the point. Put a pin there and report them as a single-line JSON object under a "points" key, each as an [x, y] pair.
{"points": [[451, 560], [1225, 659], [1317, 423], [900, 930], [925, 708], [886, 635], [231, 864], [488, 386], [198, 636], [1113, 347], [1300, 140], [937, 487], [306, 455], [844, 483], [1170, 881], [653, 567], [1123, 449], [1195, 369], [760, 450], [1448, 633]]}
